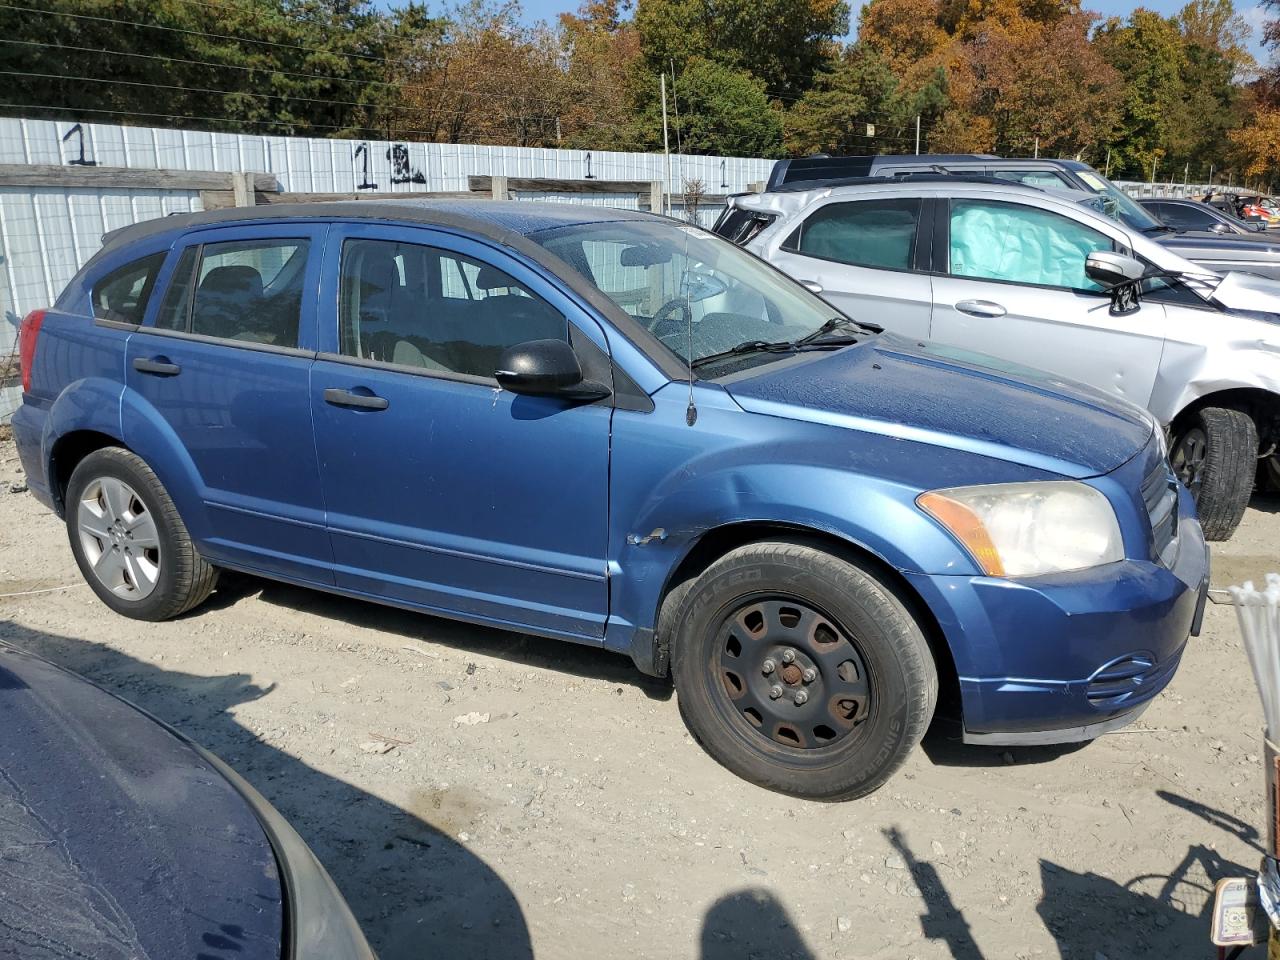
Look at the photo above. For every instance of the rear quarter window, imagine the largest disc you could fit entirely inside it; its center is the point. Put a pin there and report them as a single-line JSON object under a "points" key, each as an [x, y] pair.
{"points": [[121, 296]]}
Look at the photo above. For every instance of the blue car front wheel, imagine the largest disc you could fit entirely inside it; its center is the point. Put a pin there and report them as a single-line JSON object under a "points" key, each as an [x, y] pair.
{"points": [[801, 671]]}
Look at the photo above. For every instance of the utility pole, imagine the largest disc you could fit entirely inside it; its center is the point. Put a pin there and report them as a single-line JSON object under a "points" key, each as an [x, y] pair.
{"points": [[917, 134], [1037, 148], [1211, 174], [1107, 170], [1186, 178], [666, 148], [1153, 169]]}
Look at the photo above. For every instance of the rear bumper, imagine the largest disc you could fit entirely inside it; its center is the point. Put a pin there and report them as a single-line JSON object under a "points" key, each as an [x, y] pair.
{"points": [[28, 433], [1069, 657]]}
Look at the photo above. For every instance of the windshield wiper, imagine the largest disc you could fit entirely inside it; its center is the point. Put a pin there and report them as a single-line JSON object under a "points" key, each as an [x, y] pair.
{"points": [[836, 323], [777, 346]]}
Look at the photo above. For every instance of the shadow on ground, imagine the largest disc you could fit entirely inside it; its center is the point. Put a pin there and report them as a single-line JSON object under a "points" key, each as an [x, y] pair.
{"points": [[751, 925], [570, 658], [417, 893], [1158, 915]]}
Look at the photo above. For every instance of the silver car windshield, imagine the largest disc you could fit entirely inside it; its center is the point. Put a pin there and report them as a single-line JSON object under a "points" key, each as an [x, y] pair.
{"points": [[698, 294], [1118, 205]]}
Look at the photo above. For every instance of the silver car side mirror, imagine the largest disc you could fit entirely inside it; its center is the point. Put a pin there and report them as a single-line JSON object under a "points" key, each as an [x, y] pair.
{"points": [[1120, 276], [1108, 269]]}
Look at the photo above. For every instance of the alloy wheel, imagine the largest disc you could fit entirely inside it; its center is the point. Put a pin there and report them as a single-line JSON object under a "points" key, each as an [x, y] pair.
{"points": [[119, 538], [1188, 459]]}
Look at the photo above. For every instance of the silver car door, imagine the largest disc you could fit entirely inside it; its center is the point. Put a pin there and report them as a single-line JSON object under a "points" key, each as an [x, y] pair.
{"points": [[861, 257], [1011, 284]]}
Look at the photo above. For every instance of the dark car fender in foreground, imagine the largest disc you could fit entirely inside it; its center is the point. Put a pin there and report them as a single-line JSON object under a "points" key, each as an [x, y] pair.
{"points": [[124, 839]]}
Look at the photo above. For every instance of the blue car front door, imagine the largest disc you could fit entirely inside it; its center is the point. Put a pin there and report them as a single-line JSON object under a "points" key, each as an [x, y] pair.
{"points": [[442, 490], [219, 376]]}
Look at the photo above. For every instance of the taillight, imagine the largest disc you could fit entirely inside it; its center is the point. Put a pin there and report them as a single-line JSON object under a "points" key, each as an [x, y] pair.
{"points": [[28, 333]]}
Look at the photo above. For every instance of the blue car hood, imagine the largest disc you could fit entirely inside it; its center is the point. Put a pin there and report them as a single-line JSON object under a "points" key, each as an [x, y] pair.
{"points": [[951, 398], [121, 841]]}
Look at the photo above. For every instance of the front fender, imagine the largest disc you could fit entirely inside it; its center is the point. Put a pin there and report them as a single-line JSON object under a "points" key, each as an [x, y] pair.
{"points": [[1243, 355], [672, 484]]}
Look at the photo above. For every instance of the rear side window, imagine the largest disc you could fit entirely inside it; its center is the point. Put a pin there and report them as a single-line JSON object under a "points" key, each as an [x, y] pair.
{"points": [[866, 233], [435, 310], [121, 296], [247, 291]]}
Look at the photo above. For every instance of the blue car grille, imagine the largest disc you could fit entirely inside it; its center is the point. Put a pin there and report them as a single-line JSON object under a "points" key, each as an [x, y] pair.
{"points": [[1129, 680], [1160, 495]]}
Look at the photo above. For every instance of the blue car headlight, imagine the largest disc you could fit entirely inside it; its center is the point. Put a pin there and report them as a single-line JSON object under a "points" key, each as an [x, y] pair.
{"points": [[1029, 529]]}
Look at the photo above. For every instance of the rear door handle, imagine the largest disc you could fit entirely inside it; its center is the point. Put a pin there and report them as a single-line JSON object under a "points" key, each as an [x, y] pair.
{"points": [[158, 366], [362, 401], [981, 308], [811, 285]]}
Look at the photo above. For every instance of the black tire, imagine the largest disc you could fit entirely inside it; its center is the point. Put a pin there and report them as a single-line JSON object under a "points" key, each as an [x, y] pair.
{"points": [[183, 579], [839, 745], [1215, 453]]}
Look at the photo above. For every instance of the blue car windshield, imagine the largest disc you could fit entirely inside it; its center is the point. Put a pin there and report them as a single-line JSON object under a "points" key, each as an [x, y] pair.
{"points": [[698, 294]]}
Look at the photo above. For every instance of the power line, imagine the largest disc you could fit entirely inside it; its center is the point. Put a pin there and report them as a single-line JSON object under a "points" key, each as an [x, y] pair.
{"points": [[404, 85], [188, 32], [309, 49]]}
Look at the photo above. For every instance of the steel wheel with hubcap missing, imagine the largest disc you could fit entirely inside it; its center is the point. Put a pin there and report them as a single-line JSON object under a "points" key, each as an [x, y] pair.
{"points": [[119, 538], [791, 674], [801, 670]]}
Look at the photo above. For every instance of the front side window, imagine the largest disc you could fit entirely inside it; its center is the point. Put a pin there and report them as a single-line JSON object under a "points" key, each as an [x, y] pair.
{"points": [[248, 291], [1185, 218], [121, 296], [419, 306], [867, 233], [695, 292], [1019, 244]]}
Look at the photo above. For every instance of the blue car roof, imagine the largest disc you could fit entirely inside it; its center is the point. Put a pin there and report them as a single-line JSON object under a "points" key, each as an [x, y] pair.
{"points": [[498, 219]]}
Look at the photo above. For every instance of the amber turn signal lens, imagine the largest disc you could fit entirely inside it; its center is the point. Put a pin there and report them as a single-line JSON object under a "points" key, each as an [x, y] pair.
{"points": [[966, 527]]}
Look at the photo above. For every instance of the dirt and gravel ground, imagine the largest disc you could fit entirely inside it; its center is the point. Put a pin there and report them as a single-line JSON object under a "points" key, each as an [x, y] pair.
{"points": [[480, 794]]}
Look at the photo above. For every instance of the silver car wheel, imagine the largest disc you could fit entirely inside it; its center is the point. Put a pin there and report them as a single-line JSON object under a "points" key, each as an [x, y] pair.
{"points": [[1188, 459], [119, 538]]}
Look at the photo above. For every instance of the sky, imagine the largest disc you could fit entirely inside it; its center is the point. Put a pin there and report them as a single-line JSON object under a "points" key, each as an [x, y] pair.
{"points": [[535, 10]]}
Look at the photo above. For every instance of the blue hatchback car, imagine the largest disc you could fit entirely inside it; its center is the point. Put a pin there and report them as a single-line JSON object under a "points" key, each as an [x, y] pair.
{"points": [[618, 430]]}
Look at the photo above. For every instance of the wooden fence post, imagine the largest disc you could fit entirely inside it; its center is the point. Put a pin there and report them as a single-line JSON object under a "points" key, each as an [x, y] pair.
{"points": [[242, 188], [657, 191], [499, 188]]}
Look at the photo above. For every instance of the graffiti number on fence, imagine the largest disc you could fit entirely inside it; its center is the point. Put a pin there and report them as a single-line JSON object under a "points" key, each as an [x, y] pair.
{"points": [[82, 160], [401, 170], [365, 183]]}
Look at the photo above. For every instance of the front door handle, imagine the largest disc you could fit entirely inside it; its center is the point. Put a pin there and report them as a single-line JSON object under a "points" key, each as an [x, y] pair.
{"points": [[362, 401], [981, 308], [811, 285], [156, 366]]}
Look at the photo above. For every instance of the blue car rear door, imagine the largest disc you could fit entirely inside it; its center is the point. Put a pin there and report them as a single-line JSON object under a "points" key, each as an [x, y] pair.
{"points": [[444, 491], [219, 375]]}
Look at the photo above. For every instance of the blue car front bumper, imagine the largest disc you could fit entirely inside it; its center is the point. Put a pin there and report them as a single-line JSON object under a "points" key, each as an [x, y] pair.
{"points": [[1068, 657]]}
